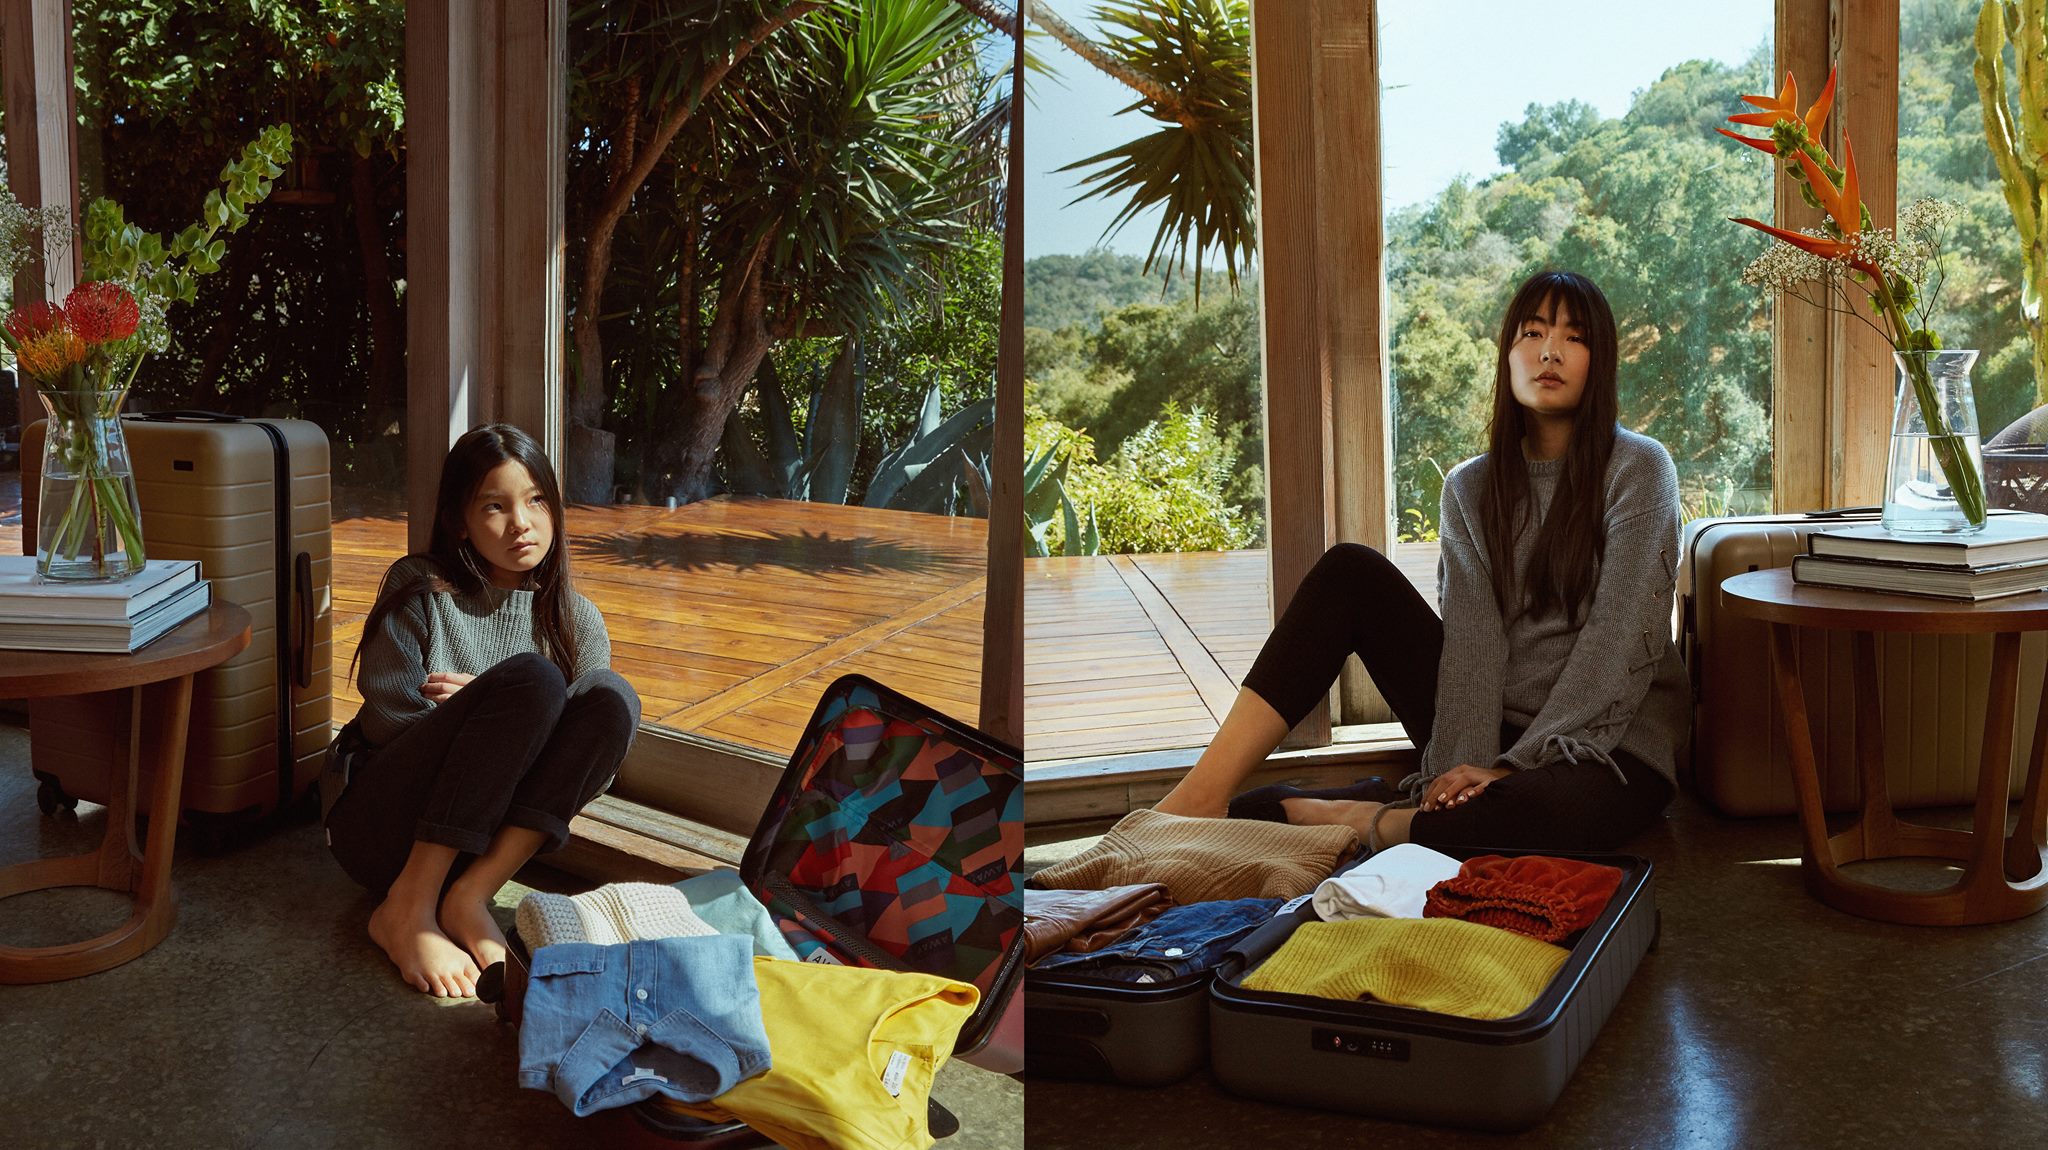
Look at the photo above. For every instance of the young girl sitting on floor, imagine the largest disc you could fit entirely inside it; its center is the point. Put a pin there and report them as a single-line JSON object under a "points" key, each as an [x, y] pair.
{"points": [[490, 709], [1549, 702]]}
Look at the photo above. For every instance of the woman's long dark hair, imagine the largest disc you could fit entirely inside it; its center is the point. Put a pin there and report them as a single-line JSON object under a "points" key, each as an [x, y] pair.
{"points": [[1573, 538], [464, 571]]}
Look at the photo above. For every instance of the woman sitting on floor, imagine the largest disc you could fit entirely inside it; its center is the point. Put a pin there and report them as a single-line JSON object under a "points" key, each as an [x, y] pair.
{"points": [[1549, 701]]}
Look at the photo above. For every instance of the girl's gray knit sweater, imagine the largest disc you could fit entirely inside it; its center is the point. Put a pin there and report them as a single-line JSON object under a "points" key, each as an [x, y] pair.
{"points": [[446, 631], [1612, 682]]}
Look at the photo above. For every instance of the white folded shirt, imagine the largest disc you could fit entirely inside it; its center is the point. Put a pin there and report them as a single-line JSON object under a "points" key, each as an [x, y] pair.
{"points": [[1390, 884]]}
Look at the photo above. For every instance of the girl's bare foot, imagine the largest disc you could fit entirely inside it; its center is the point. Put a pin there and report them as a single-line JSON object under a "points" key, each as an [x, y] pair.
{"points": [[1331, 812], [467, 919], [425, 957]]}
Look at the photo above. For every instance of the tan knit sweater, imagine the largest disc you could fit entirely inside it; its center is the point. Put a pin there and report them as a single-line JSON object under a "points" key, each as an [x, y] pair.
{"points": [[1204, 860]]}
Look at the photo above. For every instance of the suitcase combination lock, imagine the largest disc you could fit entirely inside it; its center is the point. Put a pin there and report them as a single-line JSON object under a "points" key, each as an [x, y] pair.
{"points": [[1364, 1045]]}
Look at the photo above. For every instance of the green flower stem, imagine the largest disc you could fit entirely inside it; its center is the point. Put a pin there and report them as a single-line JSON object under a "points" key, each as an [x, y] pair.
{"points": [[1950, 451]]}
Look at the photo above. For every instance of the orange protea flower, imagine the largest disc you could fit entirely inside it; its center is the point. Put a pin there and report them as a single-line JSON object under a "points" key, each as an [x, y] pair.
{"points": [[51, 354], [101, 312], [31, 320], [1784, 107]]}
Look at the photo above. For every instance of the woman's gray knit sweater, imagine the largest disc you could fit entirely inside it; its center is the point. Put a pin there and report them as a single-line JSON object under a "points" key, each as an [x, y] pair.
{"points": [[1613, 682], [446, 631]]}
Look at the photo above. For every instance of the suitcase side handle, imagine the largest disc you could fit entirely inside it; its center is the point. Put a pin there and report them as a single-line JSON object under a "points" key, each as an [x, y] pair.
{"points": [[302, 619]]}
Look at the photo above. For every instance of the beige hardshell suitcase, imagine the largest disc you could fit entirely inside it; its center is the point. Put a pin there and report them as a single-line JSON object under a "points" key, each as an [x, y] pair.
{"points": [[1932, 686], [249, 499]]}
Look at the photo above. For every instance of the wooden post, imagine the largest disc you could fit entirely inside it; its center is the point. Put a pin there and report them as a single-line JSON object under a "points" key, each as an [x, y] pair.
{"points": [[532, 165], [487, 158], [1329, 456], [1863, 377], [1802, 465], [1002, 612], [42, 155], [1353, 288]]}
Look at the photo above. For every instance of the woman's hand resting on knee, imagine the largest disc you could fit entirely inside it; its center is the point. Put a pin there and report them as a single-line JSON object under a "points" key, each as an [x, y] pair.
{"points": [[1461, 784], [442, 685]]}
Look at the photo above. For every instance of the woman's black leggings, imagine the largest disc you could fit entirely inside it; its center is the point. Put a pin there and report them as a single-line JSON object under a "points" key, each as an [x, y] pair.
{"points": [[1355, 601], [516, 746]]}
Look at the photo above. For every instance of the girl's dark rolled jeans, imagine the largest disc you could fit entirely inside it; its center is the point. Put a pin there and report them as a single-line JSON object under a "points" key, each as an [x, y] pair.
{"points": [[517, 746]]}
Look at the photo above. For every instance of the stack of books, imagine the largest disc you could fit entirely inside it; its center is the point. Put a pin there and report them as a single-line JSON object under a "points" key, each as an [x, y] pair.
{"points": [[99, 618], [2008, 557]]}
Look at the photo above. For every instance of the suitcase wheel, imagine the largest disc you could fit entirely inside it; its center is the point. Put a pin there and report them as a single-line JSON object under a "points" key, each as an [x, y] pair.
{"points": [[50, 795]]}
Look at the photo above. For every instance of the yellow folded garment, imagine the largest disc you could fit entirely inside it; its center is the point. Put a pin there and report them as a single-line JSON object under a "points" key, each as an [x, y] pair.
{"points": [[1205, 860], [1445, 965], [854, 1051]]}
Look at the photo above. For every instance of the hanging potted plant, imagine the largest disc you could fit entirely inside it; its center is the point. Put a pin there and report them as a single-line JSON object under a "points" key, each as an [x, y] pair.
{"points": [[83, 354]]}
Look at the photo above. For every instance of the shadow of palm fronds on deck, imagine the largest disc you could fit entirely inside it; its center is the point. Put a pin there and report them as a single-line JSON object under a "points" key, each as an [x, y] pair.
{"points": [[807, 552]]}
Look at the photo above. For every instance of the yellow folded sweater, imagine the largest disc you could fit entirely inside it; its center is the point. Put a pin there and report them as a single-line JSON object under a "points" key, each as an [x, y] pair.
{"points": [[1205, 860], [1444, 965]]}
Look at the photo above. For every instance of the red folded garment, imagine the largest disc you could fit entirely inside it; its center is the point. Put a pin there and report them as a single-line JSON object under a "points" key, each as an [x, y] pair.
{"points": [[1542, 897]]}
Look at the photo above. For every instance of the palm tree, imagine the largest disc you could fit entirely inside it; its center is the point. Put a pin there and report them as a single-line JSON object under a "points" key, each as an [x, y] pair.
{"points": [[827, 179], [1189, 62]]}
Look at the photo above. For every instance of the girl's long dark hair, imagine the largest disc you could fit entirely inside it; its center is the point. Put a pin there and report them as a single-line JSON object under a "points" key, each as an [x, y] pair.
{"points": [[1573, 538], [464, 571]]}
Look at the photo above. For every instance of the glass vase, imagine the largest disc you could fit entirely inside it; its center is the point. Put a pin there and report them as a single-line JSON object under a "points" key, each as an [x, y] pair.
{"points": [[88, 522], [1934, 479]]}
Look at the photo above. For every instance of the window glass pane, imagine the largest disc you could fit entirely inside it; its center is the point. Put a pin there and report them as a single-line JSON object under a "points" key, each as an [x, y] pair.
{"points": [[1144, 391], [1944, 154], [782, 349], [1548, 148]]}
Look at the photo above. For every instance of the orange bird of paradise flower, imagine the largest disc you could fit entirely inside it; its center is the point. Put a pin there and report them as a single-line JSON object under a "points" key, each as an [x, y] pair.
{"points": [[1844, 205]]}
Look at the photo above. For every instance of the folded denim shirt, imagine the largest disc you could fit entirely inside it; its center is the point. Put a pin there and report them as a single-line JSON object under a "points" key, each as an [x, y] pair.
{"points": [[1185, 940], [606, 1026]]}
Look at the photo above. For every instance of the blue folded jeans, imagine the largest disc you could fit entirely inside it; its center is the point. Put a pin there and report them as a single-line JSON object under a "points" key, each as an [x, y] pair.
{"points": [[1185, 940], [605, 1026]]}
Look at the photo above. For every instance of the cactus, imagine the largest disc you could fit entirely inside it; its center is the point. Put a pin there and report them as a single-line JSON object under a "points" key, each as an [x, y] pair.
{"points": [[1045, 496], [2019, 144]]}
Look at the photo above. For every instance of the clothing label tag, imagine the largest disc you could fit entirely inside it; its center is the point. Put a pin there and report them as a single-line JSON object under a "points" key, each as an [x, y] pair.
{"points": [[892, 1078], [641, 1075], [1291, 903], [823, 957]]}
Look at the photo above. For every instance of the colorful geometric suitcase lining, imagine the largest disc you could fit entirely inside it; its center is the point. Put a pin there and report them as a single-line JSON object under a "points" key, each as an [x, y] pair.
{"points": [[906, 838]]}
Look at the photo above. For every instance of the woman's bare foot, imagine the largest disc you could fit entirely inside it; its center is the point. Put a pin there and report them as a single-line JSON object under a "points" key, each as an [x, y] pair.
{"points": [[1331, 812], [425, 957], [467, 919]]}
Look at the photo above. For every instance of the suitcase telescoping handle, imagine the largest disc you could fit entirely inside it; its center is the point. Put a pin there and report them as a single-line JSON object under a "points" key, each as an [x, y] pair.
{"points": [[185, 415]]}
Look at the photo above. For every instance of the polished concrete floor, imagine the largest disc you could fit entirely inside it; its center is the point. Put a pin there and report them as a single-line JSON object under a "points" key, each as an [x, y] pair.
{"points": [[1762, 1019], [269, 1020]]}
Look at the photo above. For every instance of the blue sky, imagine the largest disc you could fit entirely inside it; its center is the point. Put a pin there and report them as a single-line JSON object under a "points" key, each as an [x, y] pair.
{"points": [[1452, 72]]}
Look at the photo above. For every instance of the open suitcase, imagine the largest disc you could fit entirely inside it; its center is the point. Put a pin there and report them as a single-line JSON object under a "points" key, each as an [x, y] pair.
{"points": [[249, 499], [1931, 734], [1394, 1061], [895, 840]]}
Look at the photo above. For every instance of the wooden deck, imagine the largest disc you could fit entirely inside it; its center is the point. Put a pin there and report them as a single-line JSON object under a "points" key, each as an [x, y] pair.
{"points": [[1128, 653], [730, 616]]}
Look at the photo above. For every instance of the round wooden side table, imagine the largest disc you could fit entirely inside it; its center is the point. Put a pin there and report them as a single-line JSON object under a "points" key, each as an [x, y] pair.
{"points": [[159, 681], [2003, 878]]}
